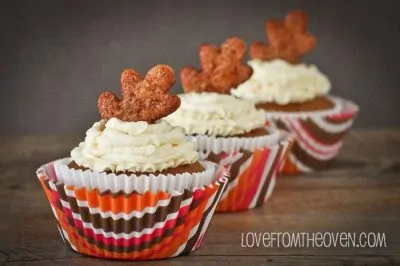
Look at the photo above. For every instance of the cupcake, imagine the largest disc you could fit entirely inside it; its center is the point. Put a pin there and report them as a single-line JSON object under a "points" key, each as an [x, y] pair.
{"points": [[134, 189], [230, 131], [295, 96]]}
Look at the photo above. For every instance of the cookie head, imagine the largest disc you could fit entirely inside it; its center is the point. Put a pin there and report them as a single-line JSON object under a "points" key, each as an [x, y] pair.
{"points": [[143, 99], [234, 47], [288, 40], [222, 68]]}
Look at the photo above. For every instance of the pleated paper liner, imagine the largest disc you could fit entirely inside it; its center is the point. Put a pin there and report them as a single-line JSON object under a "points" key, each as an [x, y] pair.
{"points": [[318, 135], [253, 170], [130, 225], [143, 183]]}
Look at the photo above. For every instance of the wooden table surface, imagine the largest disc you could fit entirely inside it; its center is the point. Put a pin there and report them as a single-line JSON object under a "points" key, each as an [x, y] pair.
{"points": [[361, 193]]}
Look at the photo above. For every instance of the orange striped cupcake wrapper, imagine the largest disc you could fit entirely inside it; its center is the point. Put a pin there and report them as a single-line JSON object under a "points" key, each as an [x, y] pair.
{"points": [[253, 174], [131, 226]]}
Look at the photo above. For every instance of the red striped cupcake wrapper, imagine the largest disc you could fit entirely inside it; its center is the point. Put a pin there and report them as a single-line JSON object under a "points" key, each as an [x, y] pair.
{"points": [[318, 135], [131, 226], [253, 174]]}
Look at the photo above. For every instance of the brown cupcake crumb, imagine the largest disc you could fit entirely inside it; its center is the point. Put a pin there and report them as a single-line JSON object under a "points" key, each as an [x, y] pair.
{"points": [[257, 132], [181, 169], [317, 104]]}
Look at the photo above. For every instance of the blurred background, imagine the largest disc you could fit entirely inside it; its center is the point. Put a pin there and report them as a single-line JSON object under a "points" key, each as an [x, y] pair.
{"points": [[58, 56]]}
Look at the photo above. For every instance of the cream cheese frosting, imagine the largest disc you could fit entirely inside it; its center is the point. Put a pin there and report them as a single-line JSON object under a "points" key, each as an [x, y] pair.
{"points": [[215, 115], [134, 146], [283, 83]]}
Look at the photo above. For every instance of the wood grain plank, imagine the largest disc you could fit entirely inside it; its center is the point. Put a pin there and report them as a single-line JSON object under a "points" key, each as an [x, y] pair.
{"points": [[225, 260], [361, 193]]}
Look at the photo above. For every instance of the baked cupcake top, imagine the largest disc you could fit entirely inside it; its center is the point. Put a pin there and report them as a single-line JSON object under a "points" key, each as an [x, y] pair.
{"points": [[131, 137], [216, 114], [207, 108], [278, 74]]}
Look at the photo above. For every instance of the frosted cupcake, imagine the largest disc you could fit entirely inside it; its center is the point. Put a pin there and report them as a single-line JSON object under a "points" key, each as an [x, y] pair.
{"points": [[227, 130], [295, 96], [134, 189]]}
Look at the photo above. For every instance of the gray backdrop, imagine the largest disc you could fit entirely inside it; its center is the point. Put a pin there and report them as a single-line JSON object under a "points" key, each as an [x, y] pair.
{"points": [[58, 56]]}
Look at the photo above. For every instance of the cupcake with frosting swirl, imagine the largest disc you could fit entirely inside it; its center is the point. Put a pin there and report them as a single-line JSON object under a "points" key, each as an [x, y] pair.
{"points": [[295, 96], [228, 130], [135, 188]]}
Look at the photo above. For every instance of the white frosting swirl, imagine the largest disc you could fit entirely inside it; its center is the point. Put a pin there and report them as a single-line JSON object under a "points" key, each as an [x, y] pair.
{"points": [[280, 82], [215, 115], [134, 146]]}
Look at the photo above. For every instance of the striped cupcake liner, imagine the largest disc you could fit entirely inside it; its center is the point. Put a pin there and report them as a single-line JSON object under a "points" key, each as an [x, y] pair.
{"points": [[318, 135], [253, 173], [132, 225]]}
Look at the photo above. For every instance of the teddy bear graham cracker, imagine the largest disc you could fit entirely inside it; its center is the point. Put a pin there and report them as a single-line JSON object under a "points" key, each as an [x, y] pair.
{"points": [[288, 40], [221, 68], [143, 99]]}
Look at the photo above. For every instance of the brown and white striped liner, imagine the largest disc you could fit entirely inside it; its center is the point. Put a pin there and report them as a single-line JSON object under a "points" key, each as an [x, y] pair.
{"points": [[318, 135], [132, 225]]}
